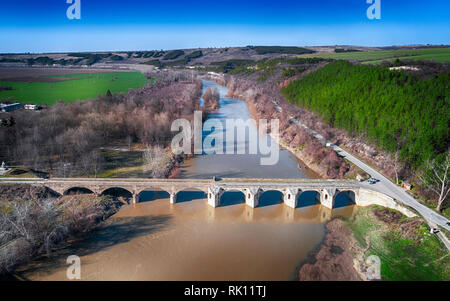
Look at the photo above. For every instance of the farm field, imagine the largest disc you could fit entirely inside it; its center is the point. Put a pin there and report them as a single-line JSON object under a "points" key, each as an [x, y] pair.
{"points": [[48, 89], [433, 54]]}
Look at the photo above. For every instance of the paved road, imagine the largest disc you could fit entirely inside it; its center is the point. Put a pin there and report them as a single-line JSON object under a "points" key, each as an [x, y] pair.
{"points": [[384, 185]]}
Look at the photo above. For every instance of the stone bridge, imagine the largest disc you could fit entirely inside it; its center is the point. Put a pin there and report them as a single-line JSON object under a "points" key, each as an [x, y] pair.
{"points": [[327, 190]]}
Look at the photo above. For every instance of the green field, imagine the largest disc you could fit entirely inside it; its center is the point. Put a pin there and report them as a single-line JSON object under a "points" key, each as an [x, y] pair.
{"points": [[433, 54], [80, 87]]}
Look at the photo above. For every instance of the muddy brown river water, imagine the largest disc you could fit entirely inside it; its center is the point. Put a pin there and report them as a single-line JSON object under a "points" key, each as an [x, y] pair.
{"points": [[156, 240]]}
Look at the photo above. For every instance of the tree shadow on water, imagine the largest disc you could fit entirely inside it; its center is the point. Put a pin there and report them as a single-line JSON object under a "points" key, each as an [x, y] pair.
{"points": [[114, 232]]}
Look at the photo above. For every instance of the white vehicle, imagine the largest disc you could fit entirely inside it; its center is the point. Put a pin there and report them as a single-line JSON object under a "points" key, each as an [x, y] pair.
{"points": [[372, 180]]}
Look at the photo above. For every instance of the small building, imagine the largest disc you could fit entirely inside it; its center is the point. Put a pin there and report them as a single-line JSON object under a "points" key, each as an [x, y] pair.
{"points": [[4, 169], [10, 107], [31, 107], [406, 185], [405, 68], [359, 177]]}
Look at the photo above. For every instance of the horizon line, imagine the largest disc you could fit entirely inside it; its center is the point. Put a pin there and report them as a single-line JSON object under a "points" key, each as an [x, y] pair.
{"points": [[223, 47]]}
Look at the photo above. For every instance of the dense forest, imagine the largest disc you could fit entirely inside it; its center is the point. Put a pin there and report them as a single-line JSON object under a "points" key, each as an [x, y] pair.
{"points": [[394, 110]]}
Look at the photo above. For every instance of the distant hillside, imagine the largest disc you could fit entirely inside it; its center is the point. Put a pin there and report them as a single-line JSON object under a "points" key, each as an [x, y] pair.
{"points": [[280, 49], [226, 59], [157, 58], [437, 54]]}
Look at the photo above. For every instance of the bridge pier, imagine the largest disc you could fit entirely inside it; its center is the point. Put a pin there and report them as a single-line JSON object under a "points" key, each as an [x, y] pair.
{"points": [[173, 197], [214, 194], [135, 198], [327, 197], [252, 197], [290, 197], [356, 192]]}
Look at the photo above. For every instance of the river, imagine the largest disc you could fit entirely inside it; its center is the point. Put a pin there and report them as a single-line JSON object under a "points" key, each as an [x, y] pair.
{"points": [[239, 165], [156, 240]]}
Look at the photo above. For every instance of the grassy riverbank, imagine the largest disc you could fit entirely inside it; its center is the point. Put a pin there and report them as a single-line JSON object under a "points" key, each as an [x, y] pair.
{"points": [[408, 251]]}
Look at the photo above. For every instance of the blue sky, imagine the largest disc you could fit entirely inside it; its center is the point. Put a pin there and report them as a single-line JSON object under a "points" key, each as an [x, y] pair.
{"points": [[42, 25]]}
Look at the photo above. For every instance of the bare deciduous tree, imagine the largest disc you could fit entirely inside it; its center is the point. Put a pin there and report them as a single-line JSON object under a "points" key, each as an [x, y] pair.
{"points": [[211, 98], [395, 158], [156, 160], [29, 227], [436, 178], [92, 163]]}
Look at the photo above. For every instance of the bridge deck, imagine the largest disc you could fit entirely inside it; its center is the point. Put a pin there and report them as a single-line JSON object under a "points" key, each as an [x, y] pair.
{"points": [[237, 182]]}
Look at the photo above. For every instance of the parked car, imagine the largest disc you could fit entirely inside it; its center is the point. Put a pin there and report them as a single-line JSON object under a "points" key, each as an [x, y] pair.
{"points": [[372, 180], [434, 231]]}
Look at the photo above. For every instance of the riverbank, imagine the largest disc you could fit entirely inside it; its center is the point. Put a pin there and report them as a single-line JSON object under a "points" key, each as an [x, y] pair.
{"points": [[406, 249], [337, 258], [37, 223]]}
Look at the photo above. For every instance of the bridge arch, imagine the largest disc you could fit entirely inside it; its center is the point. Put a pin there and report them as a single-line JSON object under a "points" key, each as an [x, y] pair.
{"points": [[190, 194], [77, 190], [232, 197], [270, 197], [149, 194], [118, 192], [308, 198], [344, 198]]}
